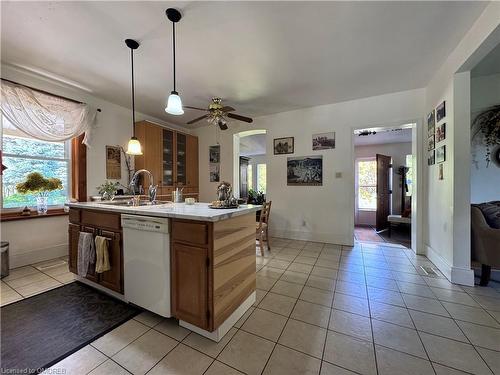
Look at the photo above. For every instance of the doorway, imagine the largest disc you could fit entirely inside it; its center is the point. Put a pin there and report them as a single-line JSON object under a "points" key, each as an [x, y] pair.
{"points": [[384, 184], [250, 157]]}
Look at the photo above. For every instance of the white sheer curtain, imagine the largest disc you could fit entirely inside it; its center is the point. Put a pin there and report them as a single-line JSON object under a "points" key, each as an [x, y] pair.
{"points": [[43, 116]]}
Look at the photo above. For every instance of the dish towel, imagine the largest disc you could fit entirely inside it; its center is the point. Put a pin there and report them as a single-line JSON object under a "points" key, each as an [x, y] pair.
{"points": [[102, 255], [86, 252]]}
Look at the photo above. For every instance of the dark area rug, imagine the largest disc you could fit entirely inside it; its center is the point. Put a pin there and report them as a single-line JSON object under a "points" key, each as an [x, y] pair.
{"points": [[39, 331]]}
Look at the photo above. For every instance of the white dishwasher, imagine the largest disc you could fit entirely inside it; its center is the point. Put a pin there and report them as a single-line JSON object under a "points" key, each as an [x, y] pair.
{"points": [[146, 262]]}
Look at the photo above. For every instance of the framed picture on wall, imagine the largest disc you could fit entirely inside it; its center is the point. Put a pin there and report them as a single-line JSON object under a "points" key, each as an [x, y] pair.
{"points": [[214, 154], [305, 171], [441, 173], [283, 146], [214, 172], [431, 143], [431, 122], [113, 163], [441, 111], [441, 132], [431, 158], [323, 141], [441, 154]]}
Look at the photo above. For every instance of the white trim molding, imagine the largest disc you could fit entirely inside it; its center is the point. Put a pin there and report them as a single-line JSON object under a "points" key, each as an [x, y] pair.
{"points": [[456, 275]]}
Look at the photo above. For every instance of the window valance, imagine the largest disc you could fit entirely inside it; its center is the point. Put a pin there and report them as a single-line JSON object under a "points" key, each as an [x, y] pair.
{"points": [[43, 116]]}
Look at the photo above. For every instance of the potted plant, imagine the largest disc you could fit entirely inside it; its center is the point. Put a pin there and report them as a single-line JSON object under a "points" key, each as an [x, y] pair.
{"points": [[256, 197], [107, 191], [487, 123], [35, 183]]}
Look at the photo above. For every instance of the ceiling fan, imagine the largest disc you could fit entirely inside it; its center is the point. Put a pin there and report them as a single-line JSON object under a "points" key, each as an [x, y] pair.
{"points": [[218, 114]]}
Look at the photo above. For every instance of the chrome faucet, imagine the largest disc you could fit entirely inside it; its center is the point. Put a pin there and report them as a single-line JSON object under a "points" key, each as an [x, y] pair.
{"points": [[152, 188]]}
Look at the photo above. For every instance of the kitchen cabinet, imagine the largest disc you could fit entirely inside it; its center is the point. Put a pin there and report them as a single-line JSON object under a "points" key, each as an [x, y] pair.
{"points": [[99, 224], [192, 162], [190, 275], [213, 268], [171, 156]]}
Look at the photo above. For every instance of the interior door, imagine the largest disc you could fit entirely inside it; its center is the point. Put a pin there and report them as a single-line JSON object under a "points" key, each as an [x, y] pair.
{"points": [[383, 191]]}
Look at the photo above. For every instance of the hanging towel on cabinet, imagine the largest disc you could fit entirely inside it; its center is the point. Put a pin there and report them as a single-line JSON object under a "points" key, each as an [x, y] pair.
{"points": [[102, 254], [86, 252]]}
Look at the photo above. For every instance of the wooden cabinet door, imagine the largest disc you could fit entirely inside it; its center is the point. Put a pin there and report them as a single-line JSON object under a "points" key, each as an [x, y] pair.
{"points": [[180, 160], [167, 166], [190, 284], [73, 237], [192, 161], [113, 279], [150, 136]]}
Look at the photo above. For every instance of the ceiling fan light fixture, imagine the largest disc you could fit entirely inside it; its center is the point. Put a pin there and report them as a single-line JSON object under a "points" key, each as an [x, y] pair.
{"points": [[174, 104]]}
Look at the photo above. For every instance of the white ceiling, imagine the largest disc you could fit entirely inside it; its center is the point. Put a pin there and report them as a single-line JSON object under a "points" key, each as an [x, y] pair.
{"points": [[252, 145], [395, 135], [489, 65], [261, 57]]}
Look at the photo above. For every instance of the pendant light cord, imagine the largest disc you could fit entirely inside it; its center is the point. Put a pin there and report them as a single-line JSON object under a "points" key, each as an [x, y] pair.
{"points": [[173, 43], [133, 92]]}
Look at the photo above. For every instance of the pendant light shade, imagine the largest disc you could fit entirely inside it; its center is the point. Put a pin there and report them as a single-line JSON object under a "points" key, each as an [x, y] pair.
{"points": [[174, 104], [134, 146]]}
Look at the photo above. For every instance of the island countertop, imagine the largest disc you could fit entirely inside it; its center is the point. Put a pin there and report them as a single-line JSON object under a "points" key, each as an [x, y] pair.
{"points": [[197, 211]]}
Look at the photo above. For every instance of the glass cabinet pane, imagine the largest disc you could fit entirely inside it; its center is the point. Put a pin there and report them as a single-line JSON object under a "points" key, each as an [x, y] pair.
{"points": [[168, 158], [181, 159]]}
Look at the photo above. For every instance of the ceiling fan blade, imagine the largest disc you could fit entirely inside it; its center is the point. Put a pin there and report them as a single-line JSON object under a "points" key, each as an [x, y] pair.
{"points": [[197, 119], [239, 117], [199, 109], [228, 108], [222, 125]]}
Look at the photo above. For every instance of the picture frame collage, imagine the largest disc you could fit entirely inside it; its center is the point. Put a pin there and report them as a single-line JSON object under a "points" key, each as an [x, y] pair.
{"points": [[436, 135], [304, 170]]}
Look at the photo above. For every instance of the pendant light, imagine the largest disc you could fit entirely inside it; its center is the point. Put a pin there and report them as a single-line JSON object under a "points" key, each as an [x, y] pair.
{"points": [[134, 146], [174, 104]]}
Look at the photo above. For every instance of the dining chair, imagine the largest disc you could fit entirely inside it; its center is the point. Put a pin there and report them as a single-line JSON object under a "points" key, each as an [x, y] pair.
{"points": [[262, 227]]}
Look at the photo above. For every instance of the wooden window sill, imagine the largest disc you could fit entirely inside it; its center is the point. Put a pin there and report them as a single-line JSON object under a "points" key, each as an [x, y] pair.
{"points": [[13, 216]]}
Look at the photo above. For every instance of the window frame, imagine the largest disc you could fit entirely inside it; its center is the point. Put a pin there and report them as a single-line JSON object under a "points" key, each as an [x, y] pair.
{"points": [[257, 174], [67, 159], [76, 154], [358, 160]]}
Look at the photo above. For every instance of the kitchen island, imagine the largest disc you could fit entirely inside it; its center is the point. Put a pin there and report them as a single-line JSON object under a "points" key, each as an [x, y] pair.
{"points": [[210, 255]]}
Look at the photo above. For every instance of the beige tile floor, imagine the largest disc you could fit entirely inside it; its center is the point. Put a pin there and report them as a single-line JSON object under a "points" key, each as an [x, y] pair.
{"points": [[27, 281], [322, 309]]}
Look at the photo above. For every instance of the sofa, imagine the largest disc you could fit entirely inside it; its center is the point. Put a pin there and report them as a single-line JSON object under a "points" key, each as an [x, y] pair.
{"points": [[485, 237]]}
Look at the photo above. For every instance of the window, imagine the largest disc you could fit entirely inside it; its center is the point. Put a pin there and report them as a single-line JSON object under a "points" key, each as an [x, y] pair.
{"points": [[22, 155], [261, 178], [250, 176], [367, 184]]}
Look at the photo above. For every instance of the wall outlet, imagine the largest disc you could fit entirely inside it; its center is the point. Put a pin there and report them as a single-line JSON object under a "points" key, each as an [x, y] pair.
{"points": [[338, 174]]}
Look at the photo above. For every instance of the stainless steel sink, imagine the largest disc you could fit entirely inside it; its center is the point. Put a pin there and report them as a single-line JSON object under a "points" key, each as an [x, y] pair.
{"points": [[128, 203]]}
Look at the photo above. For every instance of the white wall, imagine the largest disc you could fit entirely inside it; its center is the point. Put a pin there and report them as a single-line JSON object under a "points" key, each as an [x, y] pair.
{"points": [[398, 152], [485, 181], [39, 239], [447, 216], [322, 213]]}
